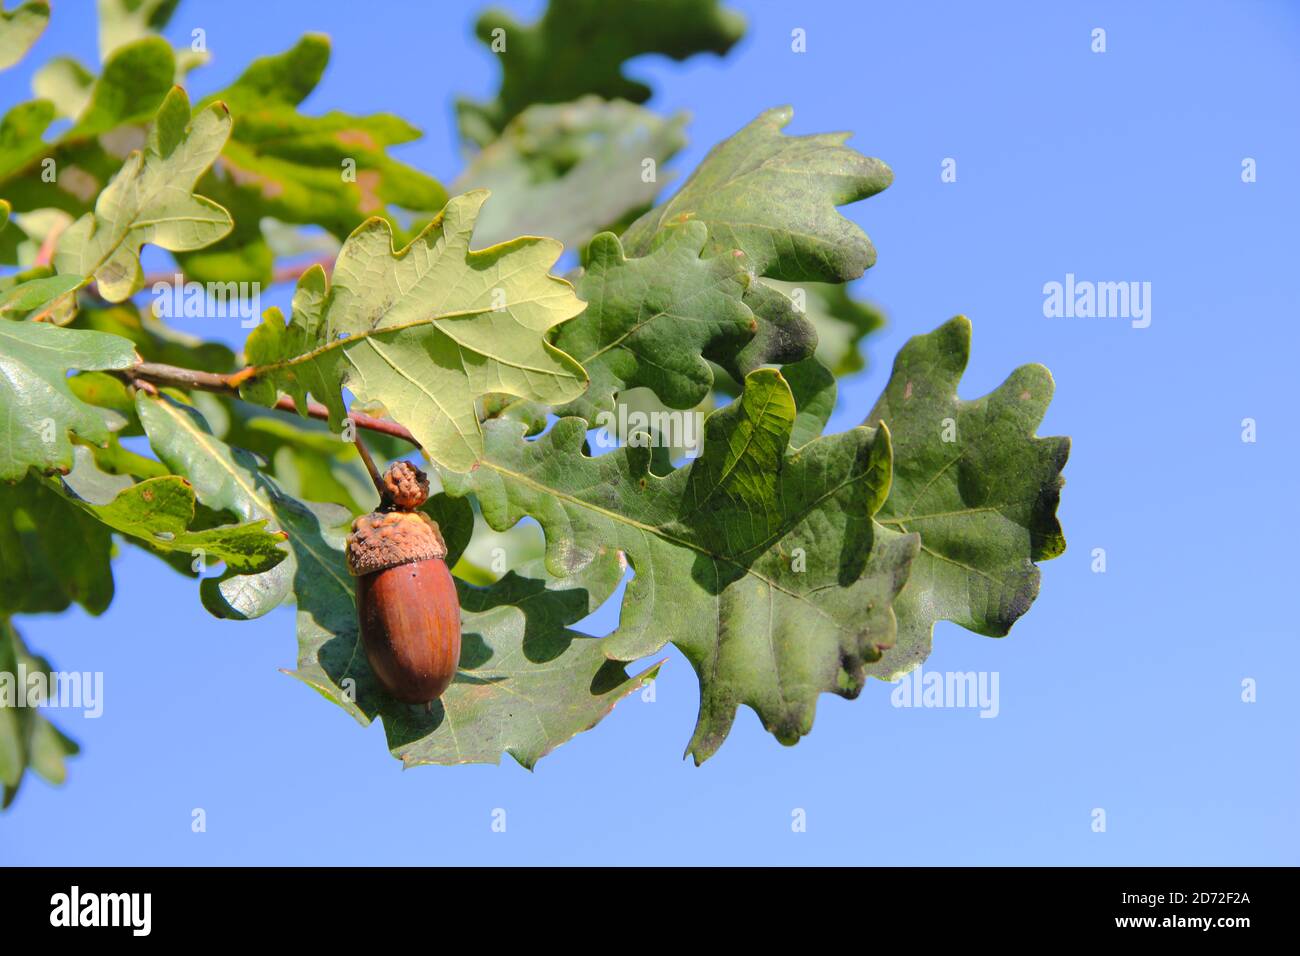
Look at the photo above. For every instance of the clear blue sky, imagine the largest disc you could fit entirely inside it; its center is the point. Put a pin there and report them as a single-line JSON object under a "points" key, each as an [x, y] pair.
{"points": [[1118, 690]]}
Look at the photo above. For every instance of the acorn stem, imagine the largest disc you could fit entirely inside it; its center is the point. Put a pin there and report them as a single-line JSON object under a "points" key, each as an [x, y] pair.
{"points": [[375, 477]]}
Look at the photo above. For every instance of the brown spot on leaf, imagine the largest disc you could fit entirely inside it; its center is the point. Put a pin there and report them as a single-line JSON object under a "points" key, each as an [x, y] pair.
{"points": [[356, 137], [1024, 395], [147, 494], [249, 178], [368, 181], [907, 392], [78, 182], [119, 142]]}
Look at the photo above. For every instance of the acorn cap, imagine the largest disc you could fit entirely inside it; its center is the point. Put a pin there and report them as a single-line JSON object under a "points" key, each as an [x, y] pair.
{"points": [[407, 486], [382, 540]]}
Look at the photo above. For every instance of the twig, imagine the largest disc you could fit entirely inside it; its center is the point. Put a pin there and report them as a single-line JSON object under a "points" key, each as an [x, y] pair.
{"points": [[281, 274], [364, 452], [159, 374], [45, 255]]}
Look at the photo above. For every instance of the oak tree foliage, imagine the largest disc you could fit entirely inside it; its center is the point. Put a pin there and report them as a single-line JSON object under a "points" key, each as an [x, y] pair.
{"points": [[783, 561]]}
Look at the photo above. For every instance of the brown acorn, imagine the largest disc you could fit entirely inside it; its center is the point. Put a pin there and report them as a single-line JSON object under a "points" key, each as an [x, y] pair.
{"points": [[406, 598]]}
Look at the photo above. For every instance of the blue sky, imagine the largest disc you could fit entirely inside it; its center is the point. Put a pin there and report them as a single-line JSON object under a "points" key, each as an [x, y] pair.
{"points": [[1119, 691]]}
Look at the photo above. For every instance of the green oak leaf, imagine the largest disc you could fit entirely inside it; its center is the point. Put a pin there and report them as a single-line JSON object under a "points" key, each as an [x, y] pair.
{"points": [[151, 201], [785, 334], [331, 171], [652, 322], [38, 410], [580, 46], [760, 562], [526, 683], [159, 511], [115, 459], [36, 294], [570, 170], [20, 28], [774, 197], [974, 482], [51, 552], [225, 479], [424, 331], [28, 741]]}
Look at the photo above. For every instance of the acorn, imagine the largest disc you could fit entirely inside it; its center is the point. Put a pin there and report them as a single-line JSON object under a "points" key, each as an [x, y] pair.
{"points": [[406, 598]]}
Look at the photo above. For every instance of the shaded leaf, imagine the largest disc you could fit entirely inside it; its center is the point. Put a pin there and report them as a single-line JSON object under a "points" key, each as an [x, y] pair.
{"points": [[526, 682], [974, 482], [307, 460], [759, 562], [774, 197], [160, 510], [20, 28], [51, 552], [559, 58], [651, 322], [424, 331], [813, 388], [137, 79], [28, 741], [38, 410], [124, 21], [571, 170], [784, 336], [841, 321], [224, 479]]}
